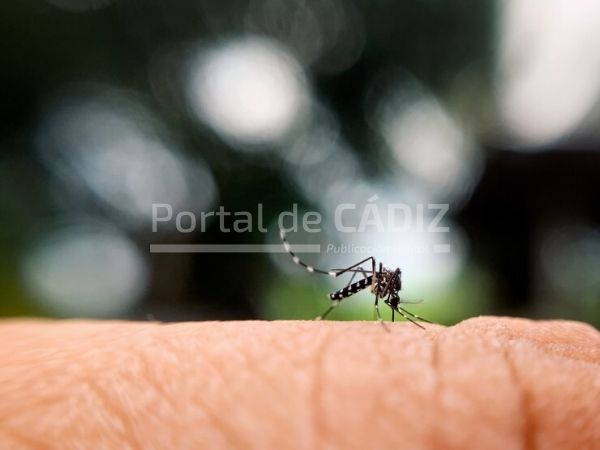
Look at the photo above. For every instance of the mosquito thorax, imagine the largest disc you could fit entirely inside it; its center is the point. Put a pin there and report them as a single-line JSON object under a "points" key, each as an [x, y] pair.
{"points": [[386, 278]]}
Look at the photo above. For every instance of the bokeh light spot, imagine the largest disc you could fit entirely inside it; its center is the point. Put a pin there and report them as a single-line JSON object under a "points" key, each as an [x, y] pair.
{"points": [[90, 271], [425, 140], [104, 142], [248, 90], [548, 68]]}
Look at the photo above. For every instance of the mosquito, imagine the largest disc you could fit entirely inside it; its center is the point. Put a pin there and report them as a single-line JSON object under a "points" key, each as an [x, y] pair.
{"points": [[383, 282]]}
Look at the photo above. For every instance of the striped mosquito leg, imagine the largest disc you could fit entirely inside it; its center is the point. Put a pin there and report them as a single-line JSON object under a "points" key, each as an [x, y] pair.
{"points": [[333, 305], [408, 318], [354, 273], [415, 316], [379, 319], [377, 312], [338, 272], [361, 271], [297, 259], [351, 279]]}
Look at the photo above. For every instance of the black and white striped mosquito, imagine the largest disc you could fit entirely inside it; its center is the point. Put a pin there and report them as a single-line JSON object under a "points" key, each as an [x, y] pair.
{"points": [[384, 283]]}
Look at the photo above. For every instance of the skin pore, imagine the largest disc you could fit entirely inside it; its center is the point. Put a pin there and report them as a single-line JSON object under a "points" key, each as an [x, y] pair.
{"points": [[485, 383]]}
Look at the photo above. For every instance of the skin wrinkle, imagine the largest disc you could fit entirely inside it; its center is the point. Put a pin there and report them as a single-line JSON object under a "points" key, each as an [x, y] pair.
{"points": [[111, 407], [520, 339], [477, 401], [111, 404], [437, 387], [228, 432], [378, 372], [528, 424], [23, 408], [255, 365], [255, 354], [564, 396], [220, 423], [389, 358], [20, 438], [146, 361], [526, 427], [115, 406], [218, 420], [363, 376], [568, 352], [319, 424], [25, 402], [291, 356], [323, 407], [554, 338]]}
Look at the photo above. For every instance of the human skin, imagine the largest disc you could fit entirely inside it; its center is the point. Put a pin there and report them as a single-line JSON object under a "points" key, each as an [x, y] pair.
{"points": [[486, 383]]}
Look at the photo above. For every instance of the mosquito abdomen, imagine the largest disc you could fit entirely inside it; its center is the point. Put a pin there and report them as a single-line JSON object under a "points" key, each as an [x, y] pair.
{"points": [[352, 289]]}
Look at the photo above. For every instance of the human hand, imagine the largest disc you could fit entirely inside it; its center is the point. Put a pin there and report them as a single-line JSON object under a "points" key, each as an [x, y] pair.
{"points": [[485, 383]]}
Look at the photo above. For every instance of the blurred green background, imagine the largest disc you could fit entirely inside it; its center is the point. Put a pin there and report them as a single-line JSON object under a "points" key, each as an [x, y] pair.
{"points": [[109, 106]]}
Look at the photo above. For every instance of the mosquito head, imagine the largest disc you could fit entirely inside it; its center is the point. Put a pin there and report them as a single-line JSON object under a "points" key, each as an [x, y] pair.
{"points": [[387, 281]]}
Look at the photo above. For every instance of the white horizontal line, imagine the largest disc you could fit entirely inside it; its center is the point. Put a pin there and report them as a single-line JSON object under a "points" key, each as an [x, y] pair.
{"points": [[231, 248], [441, 248]]}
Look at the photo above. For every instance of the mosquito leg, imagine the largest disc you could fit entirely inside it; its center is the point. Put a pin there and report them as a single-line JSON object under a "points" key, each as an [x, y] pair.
{"points": [[351, 279], [338, 273], [414, 315], [380, 277], [354, 272], [364, 272], [333, 305], [377, 293], [387, 291], [409, 319], [379, 319], [389, 303], [376, 311]]}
